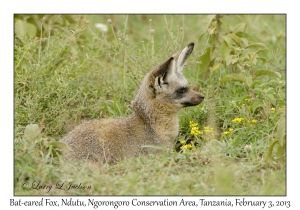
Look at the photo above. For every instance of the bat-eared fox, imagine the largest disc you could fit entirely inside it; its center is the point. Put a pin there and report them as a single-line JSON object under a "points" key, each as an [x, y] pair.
{"points": [[154, 121]]}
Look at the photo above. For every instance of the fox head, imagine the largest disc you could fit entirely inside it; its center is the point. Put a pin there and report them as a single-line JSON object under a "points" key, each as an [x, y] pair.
{"points": [[167, 84]]}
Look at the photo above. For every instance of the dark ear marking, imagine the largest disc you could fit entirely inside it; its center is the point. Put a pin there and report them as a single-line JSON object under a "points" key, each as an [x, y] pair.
{"points": [[164, 77], [159, 82], [162, 69]]}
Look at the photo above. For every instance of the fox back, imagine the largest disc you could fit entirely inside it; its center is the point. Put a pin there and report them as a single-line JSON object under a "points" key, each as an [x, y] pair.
{"points": [[163, 91]]}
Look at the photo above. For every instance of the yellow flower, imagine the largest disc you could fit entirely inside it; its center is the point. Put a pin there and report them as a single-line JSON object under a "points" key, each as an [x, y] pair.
{"points": [[226, 133], [195, 131], [189, 146], [273, 109], [193, 124], [254, 121], [184, 147], [248, 100], [238, 120], [182, 141]]}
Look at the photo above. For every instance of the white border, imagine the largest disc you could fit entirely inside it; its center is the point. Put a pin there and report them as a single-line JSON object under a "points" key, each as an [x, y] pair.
{"points": [[154, 6]]}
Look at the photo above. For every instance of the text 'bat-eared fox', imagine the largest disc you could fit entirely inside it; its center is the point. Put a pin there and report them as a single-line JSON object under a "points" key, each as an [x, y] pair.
{"points": [[154, 121]]}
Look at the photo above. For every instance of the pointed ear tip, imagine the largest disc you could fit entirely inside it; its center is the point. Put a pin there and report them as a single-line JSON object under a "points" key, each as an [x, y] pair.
{"points": [[191, 44]]}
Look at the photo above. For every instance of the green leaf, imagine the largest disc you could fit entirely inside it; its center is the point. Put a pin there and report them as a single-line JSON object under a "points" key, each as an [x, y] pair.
{"points": [[239, 27], [205, 59], [25, 30], [270, 151], [201, 35], [212, 28], [206, 20], [236, 39], [244, 40], [281, 132], [233, 77], [264, 60], [225, 50], [257, 45], [255, 105], [266, 73], [280, 151], [258, 51], [228, 40], [272, 99], [228, 59], [231, 59], [245, 35], [32, 131], [250, 63]]}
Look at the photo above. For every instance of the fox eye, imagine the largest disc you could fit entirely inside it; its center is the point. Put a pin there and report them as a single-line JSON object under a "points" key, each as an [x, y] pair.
{"points": [[182, 90]]}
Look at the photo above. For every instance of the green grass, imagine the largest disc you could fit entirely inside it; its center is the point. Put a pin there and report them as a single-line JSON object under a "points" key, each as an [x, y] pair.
{"points": [[75, 72]]}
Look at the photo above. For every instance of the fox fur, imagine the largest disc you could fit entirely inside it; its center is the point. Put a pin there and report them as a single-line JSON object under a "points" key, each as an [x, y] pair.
{"points": [[154, 121]]}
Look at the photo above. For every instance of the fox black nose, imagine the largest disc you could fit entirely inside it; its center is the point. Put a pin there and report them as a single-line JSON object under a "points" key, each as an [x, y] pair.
{"points": [[201, 96]]}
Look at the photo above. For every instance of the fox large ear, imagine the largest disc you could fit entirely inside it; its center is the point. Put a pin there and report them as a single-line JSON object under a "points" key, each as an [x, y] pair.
{"points": [[161, 76], [182, 55], [164, 68], [179, 58], [171, 68]]}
